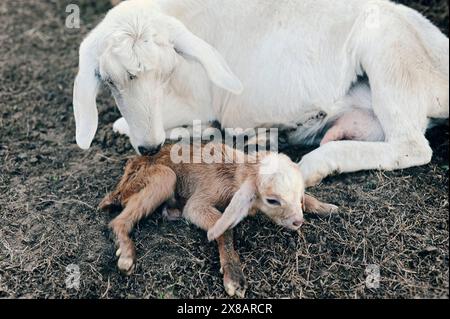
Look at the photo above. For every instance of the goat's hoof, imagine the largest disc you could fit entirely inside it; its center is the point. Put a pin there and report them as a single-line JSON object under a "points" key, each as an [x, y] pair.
{"points": [[126, 264], [110, 204], [234, 281], [171, 214], [326, 210]]}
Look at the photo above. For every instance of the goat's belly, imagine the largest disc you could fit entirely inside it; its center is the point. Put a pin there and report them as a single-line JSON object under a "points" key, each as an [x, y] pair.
{"points": [[287, 80], [306, 121], [284, 92], [291, 58], [242, 115], [356, 124], [303, 124]]}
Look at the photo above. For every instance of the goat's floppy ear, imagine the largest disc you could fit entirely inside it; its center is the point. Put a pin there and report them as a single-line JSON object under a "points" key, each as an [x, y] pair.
{"points": [[84, 98], [188, 44], [236, 211]]}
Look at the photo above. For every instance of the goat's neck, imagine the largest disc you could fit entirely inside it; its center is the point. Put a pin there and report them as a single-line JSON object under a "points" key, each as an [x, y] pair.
{"points": [[184, 9]]}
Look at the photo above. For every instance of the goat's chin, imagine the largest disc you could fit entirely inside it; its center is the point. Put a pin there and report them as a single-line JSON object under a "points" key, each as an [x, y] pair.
{"points": [[293, 228], [289, 225]]}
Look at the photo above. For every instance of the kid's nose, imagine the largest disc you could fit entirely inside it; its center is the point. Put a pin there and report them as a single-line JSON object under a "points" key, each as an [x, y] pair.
{"points": [[298, 222]]}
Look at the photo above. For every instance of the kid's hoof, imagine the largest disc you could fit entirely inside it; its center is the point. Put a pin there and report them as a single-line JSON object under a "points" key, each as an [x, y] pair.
{"points": [[172, 214], [234, 281], [326, 210], [126, 262]]}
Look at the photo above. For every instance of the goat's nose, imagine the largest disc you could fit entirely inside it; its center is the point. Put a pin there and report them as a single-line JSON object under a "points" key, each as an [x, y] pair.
{"points": [[149, 150], [298, 223]]}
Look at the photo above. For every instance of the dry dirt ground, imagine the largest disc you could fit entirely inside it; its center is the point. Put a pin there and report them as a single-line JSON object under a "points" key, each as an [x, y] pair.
{"points": [[49, 190]]}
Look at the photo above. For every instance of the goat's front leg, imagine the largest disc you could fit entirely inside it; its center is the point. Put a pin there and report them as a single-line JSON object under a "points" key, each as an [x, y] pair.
{"points": [[160, 187], [205, 217], [230, 266], [121, 127], [349, 156]]}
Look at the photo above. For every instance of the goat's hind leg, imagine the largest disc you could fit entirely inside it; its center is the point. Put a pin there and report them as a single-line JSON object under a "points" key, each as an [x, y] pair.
{"points": [[159, 187], [136, 176], [407, 87], [205, 217]]}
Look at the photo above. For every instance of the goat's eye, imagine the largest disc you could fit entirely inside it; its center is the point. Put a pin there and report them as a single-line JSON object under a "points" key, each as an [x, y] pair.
{"points": [[132, 76], [109, 81], [273, 202]]}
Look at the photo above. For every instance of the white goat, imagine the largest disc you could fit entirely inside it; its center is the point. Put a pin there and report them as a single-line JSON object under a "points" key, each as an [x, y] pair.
{"points": [[293, 59]]}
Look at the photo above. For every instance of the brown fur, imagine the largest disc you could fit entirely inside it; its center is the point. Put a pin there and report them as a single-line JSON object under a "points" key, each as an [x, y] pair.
{"points": [[200, 191]]}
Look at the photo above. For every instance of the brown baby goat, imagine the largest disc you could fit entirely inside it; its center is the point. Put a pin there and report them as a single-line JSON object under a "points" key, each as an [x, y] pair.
{"points": [[238, 184]]}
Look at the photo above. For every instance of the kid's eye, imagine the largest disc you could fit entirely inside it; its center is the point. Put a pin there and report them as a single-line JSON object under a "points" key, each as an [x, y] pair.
{"points": [[273, 202]]}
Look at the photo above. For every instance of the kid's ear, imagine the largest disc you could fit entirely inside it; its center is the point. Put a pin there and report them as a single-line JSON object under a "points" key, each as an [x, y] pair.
{"points": [[236, 211]]}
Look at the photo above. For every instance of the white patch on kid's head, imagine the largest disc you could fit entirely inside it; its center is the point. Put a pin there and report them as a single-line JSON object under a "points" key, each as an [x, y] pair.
{"points": [[281, 176], [270, 164]]}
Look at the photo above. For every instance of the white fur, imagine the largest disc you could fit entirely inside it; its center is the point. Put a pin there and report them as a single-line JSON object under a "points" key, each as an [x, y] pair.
{"points": [[295, 58]]}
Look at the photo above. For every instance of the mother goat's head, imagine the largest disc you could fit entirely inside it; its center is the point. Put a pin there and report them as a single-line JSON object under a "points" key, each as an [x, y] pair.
{"points": [[135, 51]]}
